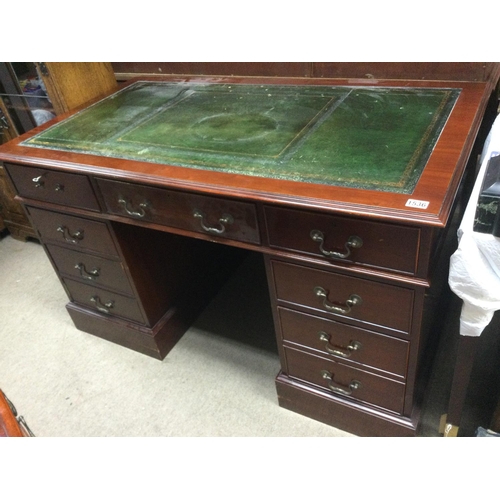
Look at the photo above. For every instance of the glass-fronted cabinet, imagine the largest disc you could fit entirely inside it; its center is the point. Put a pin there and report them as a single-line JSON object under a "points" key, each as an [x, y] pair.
{"points": [[32, 94], [26, 103]]}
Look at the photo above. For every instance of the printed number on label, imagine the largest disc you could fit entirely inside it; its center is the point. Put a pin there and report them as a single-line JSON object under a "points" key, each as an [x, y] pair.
{"points": [[417, 204]]}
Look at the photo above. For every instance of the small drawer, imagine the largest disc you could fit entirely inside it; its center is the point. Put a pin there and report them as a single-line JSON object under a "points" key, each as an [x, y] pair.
{"points": [[71, 190], [74, 231], [345, 381], [104, 301], [338, 295], [344, 239], [202, 214], [90, 268], [343, 342]]}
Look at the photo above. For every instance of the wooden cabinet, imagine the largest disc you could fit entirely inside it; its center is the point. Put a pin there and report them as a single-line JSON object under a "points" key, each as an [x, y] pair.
{"points": [[31, 94]]}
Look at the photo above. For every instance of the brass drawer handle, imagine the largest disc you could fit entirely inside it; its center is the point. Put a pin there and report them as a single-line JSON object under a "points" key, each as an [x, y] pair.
{"points": [[140, 212], [353, 300], [338, 389], [352, 242], [226, 219], [105, 308], [88, 275], [71, 238], [344, 352]]}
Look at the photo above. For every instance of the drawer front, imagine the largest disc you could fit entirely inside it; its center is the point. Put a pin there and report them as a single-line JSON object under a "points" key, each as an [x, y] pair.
{"points": [[341, 380], [71, 190], [342, 239], [367, 301], [104, 301], [74, 231], [202, 214], [90, 268], [343, 342]]}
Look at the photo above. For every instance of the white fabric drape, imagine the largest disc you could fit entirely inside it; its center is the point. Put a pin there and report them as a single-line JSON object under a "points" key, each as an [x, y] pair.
{"points": [[475, 266]]}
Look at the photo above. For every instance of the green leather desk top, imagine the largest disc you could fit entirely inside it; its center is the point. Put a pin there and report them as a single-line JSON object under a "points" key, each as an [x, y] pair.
{"points": [[365, 137]]}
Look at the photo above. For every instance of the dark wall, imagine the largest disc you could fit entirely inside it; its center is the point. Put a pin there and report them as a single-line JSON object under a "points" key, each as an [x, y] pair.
{"points": [[475, 71]]}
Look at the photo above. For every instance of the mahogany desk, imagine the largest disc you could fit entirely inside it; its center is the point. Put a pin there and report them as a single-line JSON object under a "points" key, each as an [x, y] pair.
{"points": [[346, 187]]}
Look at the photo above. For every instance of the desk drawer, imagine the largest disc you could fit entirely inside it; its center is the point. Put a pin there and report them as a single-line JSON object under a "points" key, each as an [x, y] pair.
{"points": [[90, 268], [367, 301], [75, 231], [345, 381], [343, 342], [203, 214], [71, 190], [382, 245], [104, 301]]}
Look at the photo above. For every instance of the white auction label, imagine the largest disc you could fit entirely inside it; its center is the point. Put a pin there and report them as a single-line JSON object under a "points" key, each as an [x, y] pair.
{"points": [[417, 204]]}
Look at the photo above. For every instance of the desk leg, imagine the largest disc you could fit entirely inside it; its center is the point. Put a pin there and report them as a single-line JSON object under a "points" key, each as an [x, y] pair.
{"points": [[464, 362]]}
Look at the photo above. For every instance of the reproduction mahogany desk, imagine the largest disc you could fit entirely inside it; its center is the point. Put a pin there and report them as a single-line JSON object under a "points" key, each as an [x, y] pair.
{"points": [[346, 187]]}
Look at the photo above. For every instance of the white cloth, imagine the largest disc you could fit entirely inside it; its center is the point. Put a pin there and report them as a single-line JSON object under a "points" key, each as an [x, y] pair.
{"points": [[475, 266]]}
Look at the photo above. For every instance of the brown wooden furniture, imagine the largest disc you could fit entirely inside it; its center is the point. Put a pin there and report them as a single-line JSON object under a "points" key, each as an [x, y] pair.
{"points": [[138, 262], [68, 85], [12, 424]]}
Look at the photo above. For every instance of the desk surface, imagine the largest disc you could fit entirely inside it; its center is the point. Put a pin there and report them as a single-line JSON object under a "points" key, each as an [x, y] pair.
{"points": [[370, 138], [394, 149]]}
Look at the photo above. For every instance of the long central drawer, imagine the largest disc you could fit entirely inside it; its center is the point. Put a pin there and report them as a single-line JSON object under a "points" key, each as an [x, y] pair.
{"points": [[202, 214]]}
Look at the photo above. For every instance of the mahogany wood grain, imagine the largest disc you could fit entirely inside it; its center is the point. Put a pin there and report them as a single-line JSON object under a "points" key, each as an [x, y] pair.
{"points": [[383, 306], [473, 71], [380, 352], [90, 269], [353, 417], [174, 267], [437, 184], [177, 209], [93, 235], [386, 246], [9, 426], [372, 389], [54, 187], [105, 301]]}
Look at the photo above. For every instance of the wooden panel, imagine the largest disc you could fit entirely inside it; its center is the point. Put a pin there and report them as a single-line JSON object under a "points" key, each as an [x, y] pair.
{"points": [[382, 305], [467, 71], [9, 426], [127, 69], [13, 214], [378, 351], [472, 71], [342, 413], [177, 209], [74, 231], [372, 389], [70, 85], [90, 268], [383, 245], [52, 186], [104, 301]]}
